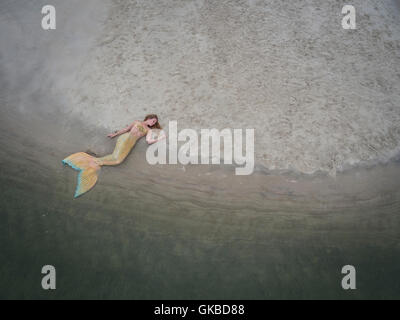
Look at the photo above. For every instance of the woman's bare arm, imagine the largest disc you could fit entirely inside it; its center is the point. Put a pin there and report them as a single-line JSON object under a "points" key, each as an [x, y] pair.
{"points": [[150, 139], [117, 133]]}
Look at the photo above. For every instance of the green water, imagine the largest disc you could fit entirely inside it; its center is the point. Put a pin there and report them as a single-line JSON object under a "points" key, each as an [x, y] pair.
{"points": [[153, 243]]}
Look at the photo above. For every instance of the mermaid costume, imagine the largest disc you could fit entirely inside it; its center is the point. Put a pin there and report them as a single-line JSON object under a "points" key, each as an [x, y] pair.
{"points": [[89, 166]]}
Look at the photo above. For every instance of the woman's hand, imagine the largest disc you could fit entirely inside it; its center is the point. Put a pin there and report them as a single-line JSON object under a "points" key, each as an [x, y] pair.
{"points": [[160, 136], [112, 135]]}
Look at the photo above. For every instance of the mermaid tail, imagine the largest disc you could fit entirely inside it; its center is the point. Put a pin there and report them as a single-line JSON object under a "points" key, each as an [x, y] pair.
{"points": [[88, 169], [89, 166]]}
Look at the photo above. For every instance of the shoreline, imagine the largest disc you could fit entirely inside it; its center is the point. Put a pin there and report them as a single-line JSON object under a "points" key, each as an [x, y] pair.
{"points": [[356, 186]]}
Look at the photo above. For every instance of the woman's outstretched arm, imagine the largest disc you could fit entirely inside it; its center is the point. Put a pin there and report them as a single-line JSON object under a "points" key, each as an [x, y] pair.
{"points": [[117, 133]]}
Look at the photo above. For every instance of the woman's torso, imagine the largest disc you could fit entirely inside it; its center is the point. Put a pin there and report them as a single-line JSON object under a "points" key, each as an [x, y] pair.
{"points": [[138, 130]]}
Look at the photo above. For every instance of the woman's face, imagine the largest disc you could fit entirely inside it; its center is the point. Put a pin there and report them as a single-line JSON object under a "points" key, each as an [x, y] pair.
{"points": [[151, 122]]}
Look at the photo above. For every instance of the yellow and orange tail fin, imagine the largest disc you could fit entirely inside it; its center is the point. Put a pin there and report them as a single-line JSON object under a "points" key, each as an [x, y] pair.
{"points": [[88, 171]]}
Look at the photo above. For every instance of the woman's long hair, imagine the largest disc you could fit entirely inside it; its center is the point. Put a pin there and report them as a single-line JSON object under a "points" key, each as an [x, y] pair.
{"points": [[156, 125]]}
